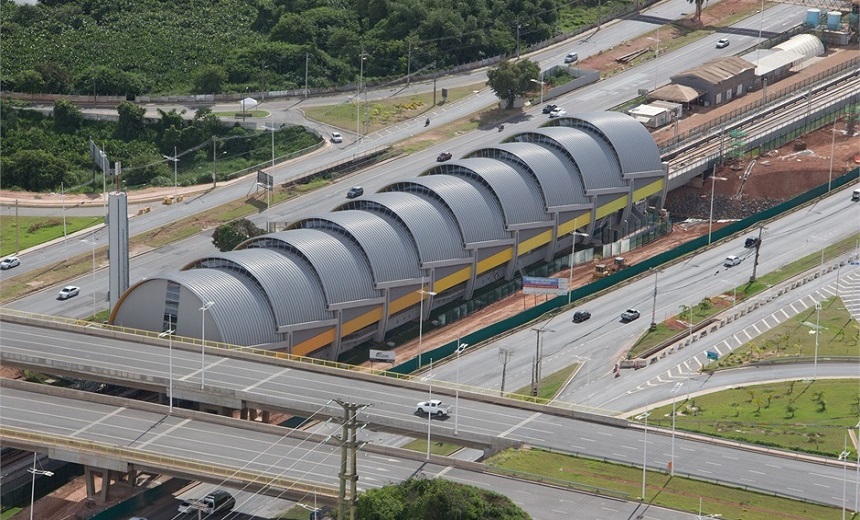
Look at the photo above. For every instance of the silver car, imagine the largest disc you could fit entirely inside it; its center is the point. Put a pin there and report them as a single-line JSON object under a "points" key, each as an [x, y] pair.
{"points": [[9, 262], [68, 292]]}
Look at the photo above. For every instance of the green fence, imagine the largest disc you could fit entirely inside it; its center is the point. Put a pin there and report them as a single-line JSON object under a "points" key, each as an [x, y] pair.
{"points": [[149, 496], [536, 312]]}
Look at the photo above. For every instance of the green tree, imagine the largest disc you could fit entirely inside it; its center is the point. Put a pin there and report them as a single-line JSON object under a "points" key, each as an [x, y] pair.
{"points": [[57, 78], [29, 81], [208, 79], [131, 121], [227, 236], [513, 79], [67, 117], [34, 170]]}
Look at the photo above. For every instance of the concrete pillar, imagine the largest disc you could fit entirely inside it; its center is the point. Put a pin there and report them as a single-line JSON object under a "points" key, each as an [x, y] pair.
{"points": [[267, 416], [132, 477], [252, 414], [243, 413], [105, 484], [88, 477]]}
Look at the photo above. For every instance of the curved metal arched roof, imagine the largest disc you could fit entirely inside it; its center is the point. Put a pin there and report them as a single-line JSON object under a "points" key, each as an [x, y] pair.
{"points": [[478, 215], [341, 266], [241, 310], [632, 143], [293, 292], [597, 170], [389, 248], [558, 187], [518, 195], [435, 233]]}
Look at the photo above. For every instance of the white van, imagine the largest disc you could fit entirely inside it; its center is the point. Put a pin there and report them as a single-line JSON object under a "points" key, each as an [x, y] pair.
{"points": [[855, 196]]}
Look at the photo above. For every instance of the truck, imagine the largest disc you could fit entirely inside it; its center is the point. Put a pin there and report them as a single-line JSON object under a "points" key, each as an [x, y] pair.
{"points": [[433, 407]]}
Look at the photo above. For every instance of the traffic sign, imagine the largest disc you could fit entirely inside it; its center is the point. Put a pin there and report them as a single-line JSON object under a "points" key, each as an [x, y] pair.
{"points": [[712, 355]]}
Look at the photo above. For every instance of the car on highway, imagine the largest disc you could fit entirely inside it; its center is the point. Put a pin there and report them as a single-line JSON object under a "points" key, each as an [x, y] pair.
{"points": [[558, 112], [571, 57], [855, 195], [433, 407], [629, 315], [68, 292], [722, 43], [444, 156], [732, 261], [137, 518], [336, 137], [580, 316], [751, 242], [549, 108], [355, 191], [9, 262]]}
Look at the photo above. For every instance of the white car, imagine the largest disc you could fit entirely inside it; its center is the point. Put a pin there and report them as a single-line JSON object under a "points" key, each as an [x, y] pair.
{"points": [[571, 58], [336, 137], [68, 292], [722, 43], [9, 262], [732, 261], [558, 112]]}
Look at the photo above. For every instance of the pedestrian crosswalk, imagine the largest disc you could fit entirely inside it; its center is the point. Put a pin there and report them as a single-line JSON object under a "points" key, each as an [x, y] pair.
{"points": [[847, 287]]}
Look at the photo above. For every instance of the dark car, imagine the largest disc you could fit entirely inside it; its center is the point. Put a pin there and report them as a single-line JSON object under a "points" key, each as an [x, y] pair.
{"points": [[355, 191], [549, 108], [444, 156], [751, 242], [580, 316]]}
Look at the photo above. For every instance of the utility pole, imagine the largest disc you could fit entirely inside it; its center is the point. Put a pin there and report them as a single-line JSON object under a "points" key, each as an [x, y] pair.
{"points": [[214, 163], [409, 65], [307, 57], [348, 459], [536, 372], [757, 247], [17, 241], [654, 303], [504, 356]]}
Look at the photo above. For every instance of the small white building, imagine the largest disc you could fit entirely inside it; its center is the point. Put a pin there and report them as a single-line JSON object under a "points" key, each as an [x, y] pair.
{"points": [[651, 116]]}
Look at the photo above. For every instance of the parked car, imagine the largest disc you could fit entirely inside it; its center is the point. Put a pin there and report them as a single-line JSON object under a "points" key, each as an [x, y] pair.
{"points": [[751, 242], [9, 262], [433, 407], [580, 316], [336, 137], [549, 108], [444, 156], [558, 112], [722, 42], [732, 261], [629, 315], [571, 57], [355, 191], [68, 292]]}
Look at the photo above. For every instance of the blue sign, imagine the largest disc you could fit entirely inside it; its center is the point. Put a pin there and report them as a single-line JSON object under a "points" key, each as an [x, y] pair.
{"points": [[712, 355]]}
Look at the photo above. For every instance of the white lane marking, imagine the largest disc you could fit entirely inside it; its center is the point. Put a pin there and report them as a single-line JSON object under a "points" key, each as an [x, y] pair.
{"points": [[267, 379], [98, 421], [162, 434]]}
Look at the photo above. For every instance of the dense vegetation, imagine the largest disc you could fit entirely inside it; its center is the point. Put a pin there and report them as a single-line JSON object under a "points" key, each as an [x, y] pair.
{"points": [[123, 47], [44, 153], [432, 499]]}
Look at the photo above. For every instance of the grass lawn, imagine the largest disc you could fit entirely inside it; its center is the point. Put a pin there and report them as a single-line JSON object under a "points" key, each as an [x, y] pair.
{"points": [[380, 114], [717, 304], [809, 416], [33, 231], [549, 385], [661, 489]]}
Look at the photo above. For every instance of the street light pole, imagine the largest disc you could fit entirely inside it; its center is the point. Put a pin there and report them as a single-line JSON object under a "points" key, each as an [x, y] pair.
{"points": [[714, 180], [35, 472], [573, 236], [361, 58], [203, 341], [654, 302], [93, 242], [175, 161], [169, 333], [460, 348], [832, 149], [644, 450], [817, 328], [678, 386], [423, 293], [429, 399]]}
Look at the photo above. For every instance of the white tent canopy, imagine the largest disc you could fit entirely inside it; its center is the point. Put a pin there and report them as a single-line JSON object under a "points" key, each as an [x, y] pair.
{"points": [[247, 104]]}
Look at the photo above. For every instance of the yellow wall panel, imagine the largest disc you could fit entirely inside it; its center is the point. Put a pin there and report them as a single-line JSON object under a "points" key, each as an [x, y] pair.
{"points": [[450, 281], [572, 225], [527, 246], [309, 345], [362, 321], [497, 259], [649, 189], [407, 300], [611, 207]]}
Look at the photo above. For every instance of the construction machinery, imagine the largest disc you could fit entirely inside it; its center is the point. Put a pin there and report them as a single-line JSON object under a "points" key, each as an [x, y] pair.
{"points": [[604, 270]]}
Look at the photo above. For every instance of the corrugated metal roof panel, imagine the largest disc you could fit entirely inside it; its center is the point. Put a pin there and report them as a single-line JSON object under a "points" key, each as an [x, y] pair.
{"points": [[630, 141], [392, 257], [518, 195], [478, 214], [598, 170], [434, 232], [241, 310], [292, 288]]}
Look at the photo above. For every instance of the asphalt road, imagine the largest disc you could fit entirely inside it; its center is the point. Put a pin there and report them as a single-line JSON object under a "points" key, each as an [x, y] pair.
{"points": [[205, 442], [604, 339]]}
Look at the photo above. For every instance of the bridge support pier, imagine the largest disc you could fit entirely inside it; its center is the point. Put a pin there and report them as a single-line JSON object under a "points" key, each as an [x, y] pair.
{"points": [[91, 482]]}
